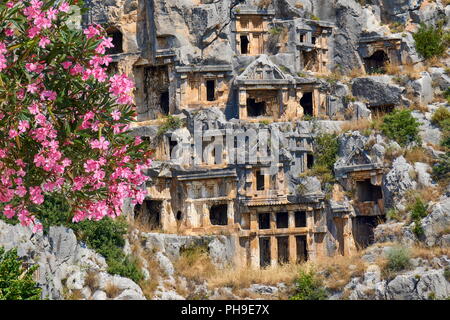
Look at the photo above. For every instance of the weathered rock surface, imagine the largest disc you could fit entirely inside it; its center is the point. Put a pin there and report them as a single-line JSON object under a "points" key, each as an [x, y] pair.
{"points": [[397, 181], [377, 90], [63, 262]]}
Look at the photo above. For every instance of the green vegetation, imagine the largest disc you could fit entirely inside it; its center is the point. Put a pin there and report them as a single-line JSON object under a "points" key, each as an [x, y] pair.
{"points": [[431, 41], [309, 287], [398, 259], [105, 236], [401, 126], [447, 95], [441, 170], [326, 147], [418, 211], [275, 31], [441, 116], [16, 281], [170, 123], [447, 273], [393, 214]]}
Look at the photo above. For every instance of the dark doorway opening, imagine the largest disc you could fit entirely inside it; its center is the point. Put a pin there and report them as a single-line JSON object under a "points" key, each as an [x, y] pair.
{"points": [[113, 68], [300, 219], [264, 252], [164, 102], [149, 213], [302, 37], [179, 216], [313, 40], [309, 160], [283, 249], [117, 40], [172, 145], [255, 109], [376, 63], [259, 180], [363, 227], [307, 103], [210, 90], [366, 191], [302, 252], [282, 220], [264, 221], [244, 44], [218, 215]]}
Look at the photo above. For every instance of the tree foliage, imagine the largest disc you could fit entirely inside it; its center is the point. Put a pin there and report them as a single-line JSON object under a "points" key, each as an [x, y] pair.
{"points": [[401, 126], [309, 287], [430, 41], [16, 281], [64, 123]]}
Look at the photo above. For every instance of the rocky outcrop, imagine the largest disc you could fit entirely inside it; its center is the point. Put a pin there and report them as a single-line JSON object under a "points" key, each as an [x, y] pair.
{"points": [[377, 90], [64, 264], [422, 282], [396, 182]]}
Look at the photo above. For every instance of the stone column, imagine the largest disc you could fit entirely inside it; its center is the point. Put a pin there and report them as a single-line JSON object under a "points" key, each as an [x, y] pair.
{"points": [[253, 221], [189, 214], [206, 222], [273, 251], [242, 104], [254, 252], [291, 219], [273, 221], [230, 212], [292, 249]]}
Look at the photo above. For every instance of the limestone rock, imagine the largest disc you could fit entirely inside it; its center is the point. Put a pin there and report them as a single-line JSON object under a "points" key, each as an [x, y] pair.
{"points": [[436, 222], [423, 174], [263, 289], [165, 264], [99, 295], [397, 181], [423, 88], [377, 90]]}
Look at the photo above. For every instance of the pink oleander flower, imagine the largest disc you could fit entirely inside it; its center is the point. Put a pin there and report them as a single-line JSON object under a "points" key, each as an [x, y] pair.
{"points": [[72, 138], [44, 42], [91, 32], [64, 7], [101, 144], [66, 64], [116, 114], [9, 32]]}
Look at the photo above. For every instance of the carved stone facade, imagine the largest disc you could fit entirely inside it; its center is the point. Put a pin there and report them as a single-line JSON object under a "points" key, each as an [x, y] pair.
{"points": [[247, 70]]}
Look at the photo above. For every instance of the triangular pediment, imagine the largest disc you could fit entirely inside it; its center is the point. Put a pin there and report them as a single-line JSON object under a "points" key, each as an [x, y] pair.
{"points": [[358, 157], [263, 69]]}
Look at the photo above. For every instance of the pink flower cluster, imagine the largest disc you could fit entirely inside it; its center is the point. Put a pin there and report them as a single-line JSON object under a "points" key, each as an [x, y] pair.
{"points": [[36, 155]]}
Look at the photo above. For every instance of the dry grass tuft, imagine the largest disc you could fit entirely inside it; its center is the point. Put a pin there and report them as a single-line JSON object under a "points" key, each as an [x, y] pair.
{"points": [[337, 270], [392, 69], [412, 71], [142, 226], [112, 290], [75, 295], [239, 278], [429, 253], [418, 154], [195, 264], [420, 107], [91, 280], [358, 125]]}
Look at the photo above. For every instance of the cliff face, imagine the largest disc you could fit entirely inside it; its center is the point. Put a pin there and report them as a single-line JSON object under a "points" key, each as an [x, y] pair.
{"points": [[243, 99]]}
